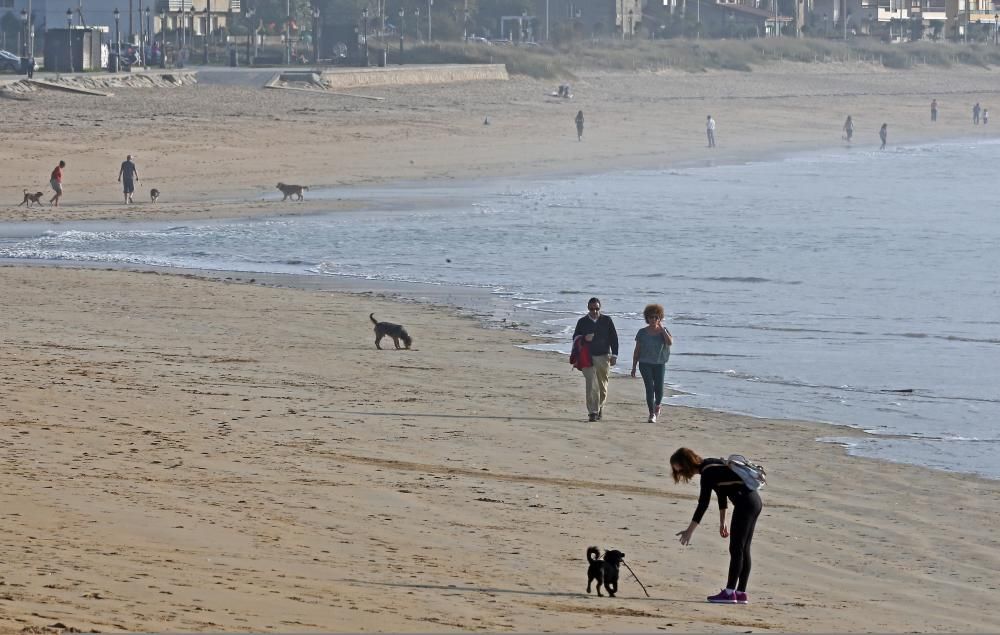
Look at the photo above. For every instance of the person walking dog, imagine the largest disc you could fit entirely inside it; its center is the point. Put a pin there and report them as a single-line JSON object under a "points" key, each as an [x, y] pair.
{"points": [[717, 476]]}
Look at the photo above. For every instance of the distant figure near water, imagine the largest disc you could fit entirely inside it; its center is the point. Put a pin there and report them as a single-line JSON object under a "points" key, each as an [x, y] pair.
{"points": [[849, 128], [710, 131], [986, 116], [933, 110], [975, 114], [883, 134], [579, 126]]}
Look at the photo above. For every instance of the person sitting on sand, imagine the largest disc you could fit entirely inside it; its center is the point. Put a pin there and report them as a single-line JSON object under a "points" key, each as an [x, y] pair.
{"points": [[716, 476]]}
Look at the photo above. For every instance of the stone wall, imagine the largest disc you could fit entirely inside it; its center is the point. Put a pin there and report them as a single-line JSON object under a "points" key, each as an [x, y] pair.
{"points": [[341, 78]]}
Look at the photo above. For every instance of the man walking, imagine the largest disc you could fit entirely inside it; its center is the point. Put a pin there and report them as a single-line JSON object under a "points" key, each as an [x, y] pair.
{"points": [[130, 175], [933, 110], [599, 331], [710, 130], [55, 182], [975, 114], [883, 134]]}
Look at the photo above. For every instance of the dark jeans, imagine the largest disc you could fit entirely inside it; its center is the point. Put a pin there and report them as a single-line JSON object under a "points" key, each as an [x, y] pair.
{"points": [[652, 377], [746, 509]]}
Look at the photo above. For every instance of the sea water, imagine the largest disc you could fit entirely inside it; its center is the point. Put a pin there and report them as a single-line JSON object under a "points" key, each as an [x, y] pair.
{"points": [[850, 286]]}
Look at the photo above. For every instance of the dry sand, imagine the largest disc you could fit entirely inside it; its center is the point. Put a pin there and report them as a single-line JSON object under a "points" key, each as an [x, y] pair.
{"points": [[181, 454]]}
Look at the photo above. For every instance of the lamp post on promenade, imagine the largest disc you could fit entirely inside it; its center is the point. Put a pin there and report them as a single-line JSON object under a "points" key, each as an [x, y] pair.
{"points": [[69, 31], [131, 27], [251, 33], [316, 28], [118, 41], [402, 26], [288, 32], [364, 17], [163, 37], [149, 37], [208, 28], [630, 18], [24, 30], [430, 25]]}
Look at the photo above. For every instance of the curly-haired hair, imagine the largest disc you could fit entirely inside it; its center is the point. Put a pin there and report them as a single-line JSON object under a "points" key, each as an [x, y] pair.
{"points": [[653, 311], [687, 464]]}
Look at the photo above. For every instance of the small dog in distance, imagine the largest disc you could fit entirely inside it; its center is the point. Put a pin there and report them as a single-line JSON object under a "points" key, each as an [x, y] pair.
{"points": [[154, 194], [289, 191], [604, 571], [388, 329], [30, 198]]}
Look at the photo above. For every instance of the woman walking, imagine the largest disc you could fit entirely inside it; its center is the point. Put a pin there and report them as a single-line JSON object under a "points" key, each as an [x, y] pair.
{"points": [[652, 350], [716, 476], [579, 125], [849, 128]]}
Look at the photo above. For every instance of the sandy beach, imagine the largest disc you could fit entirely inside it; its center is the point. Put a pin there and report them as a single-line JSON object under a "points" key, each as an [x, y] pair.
{"points": [[182, 454]]}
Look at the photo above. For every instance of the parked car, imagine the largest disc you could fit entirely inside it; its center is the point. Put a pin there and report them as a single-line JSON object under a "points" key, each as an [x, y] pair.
{"points": [[128, 54], [11, 62]]}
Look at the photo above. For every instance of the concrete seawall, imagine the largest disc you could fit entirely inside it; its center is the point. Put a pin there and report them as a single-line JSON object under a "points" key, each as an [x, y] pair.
{"points": [[341, 78]]}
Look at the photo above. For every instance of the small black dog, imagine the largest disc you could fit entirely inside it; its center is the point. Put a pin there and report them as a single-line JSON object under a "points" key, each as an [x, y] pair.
{"points": [[604, 571], [154, 194], [395, 331]]}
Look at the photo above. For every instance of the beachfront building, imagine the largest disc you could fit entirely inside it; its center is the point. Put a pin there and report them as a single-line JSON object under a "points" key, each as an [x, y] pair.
{"points": [[743, 18], [14, 25], [973, 20], [589, 18]]}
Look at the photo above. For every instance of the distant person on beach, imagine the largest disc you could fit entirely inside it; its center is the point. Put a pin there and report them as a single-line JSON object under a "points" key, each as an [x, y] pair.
{"points": [[599, 331], [718, 477], [127, 176], [986, 116], [933, 110], [849, 128], [883, 134], [710, 130], [55, 182], [652, 350], [975, 114], [579, 126]]}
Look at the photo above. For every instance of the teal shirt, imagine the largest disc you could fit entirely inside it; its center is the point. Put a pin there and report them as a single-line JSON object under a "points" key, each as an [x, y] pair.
{"points": [[652, 348]]}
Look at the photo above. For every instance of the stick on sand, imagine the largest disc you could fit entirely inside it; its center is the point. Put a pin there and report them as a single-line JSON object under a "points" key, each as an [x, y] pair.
{"points": [[636, 578]]}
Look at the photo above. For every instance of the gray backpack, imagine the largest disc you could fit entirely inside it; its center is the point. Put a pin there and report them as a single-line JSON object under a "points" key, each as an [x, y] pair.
{"points": [[753, 475]]}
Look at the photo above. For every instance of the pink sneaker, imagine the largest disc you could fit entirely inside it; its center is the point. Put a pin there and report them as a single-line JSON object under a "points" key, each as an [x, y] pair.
{"points": [[742, 597], [723, 597]]}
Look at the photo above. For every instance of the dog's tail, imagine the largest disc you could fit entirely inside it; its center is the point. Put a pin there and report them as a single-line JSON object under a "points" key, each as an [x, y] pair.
{"points": [[371, 316], [305, 187], [593, 551], [25, 190]]}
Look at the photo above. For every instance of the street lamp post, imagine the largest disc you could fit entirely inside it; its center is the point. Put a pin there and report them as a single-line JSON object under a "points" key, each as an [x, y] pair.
{"points": [[416, 20], [364, 17], [251, 33], [163, 37], [208, 27], [118, 41], [996, 26], [402, 27], [131, 27], [288, 32], [465, 28], [630, 17], [24, 30], [316, 27], [149, 38], [430, 34], [69, 31]]}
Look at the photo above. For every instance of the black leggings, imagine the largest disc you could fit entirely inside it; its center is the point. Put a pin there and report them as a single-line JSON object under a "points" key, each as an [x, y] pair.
{"points": [[746, 509]]}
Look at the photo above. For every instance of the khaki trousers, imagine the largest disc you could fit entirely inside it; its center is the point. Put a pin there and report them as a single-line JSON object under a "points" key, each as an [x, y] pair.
{"points": [[596, 377]]}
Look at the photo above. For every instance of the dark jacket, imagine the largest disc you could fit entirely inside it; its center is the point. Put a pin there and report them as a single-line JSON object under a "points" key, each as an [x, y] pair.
{"points": [[605, 335]]}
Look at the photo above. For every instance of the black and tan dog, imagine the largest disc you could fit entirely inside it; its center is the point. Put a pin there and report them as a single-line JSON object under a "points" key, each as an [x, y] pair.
{"points": [[604, 571], [30, 198], [289, 191], [395, 331]]}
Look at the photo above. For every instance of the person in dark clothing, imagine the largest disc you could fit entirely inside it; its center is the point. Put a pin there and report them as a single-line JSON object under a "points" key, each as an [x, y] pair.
{"points": [[883, 134], [579, 126], [716, 476], [599, 331], [933, 110]]}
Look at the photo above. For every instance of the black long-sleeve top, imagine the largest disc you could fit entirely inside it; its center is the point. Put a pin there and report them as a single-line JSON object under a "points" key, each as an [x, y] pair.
{"points": [[605, 335], [716, 476]]}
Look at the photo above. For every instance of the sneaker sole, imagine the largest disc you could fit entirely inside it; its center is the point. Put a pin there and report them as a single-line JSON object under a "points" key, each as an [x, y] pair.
{"points": [[722, 601]]}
